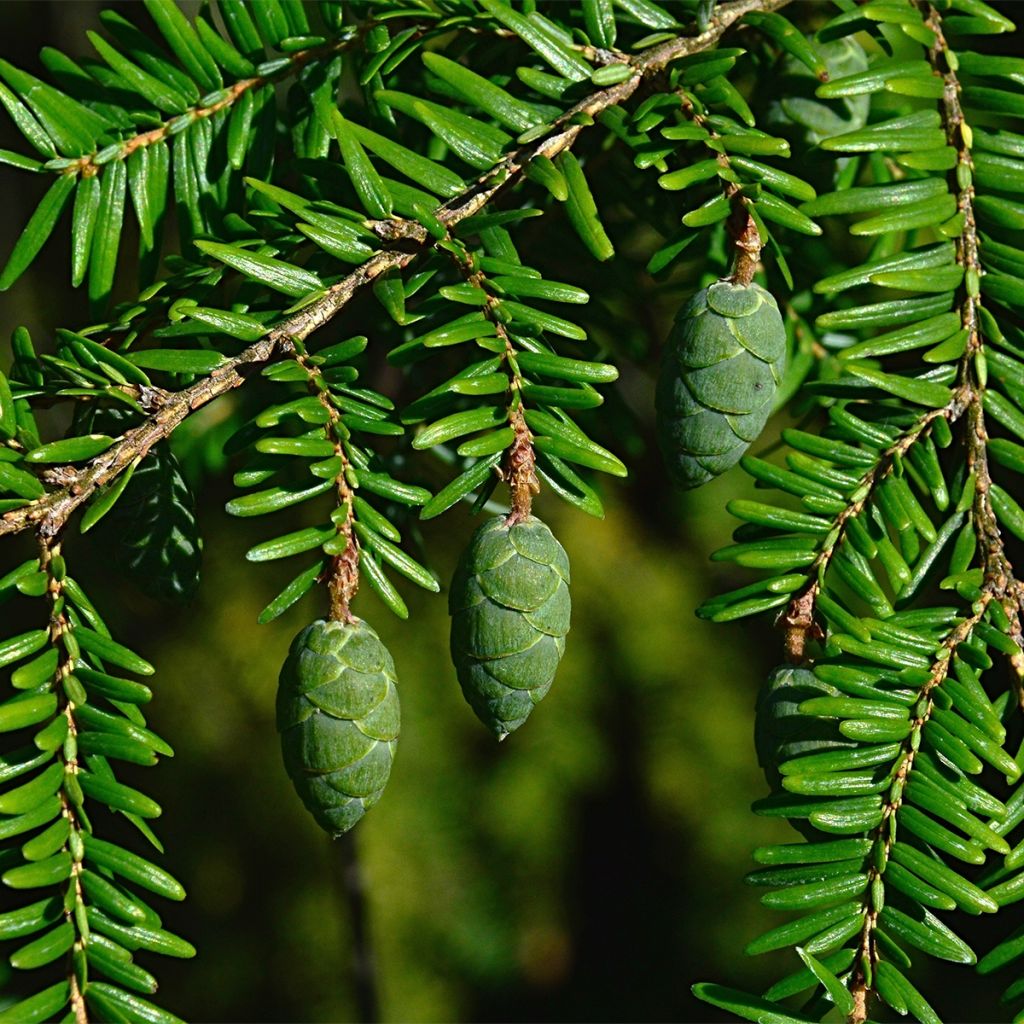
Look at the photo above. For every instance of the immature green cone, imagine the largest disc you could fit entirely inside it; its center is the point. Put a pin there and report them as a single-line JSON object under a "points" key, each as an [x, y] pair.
{"points": [[782, 733], [722, 365], [510, 608], [338, 715], [809, 118], [796, 113]]}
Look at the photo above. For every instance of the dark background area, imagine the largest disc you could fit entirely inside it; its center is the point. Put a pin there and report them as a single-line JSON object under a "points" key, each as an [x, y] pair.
{"points": [[590, 868]]}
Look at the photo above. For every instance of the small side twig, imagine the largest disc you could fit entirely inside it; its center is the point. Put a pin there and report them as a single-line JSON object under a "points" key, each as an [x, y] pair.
{"points": [[519, 470], [797, 618], [747, 244], [342, 574]]}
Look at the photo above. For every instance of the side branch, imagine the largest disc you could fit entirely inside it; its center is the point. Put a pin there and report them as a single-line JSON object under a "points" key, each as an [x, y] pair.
{"points": [[520, 460], [998, 571], [342, 574], [89, 165], [568, 127], [967, 403], [798, 618], [884, 834], [995, 563], [60, 626], [49, 513]]}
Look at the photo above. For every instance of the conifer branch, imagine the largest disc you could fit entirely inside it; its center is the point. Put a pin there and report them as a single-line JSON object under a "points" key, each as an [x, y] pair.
{"points": [[519, 464], [342, 573], [997, 566], [49, 513], [59, 626], [967, 401], [798, 619], [998, 573], [884, 833]]}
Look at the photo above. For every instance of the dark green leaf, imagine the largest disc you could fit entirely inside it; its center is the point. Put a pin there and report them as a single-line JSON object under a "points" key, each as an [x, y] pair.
{"points": [[162, 95], [115, 1003], [118, 796], [106, 238], [746, 1006], [38, 230], [431, 175], [109, 650], [274, 273], [44, 1006], [367, 182], [274, 499], [132, 867], [185, 43], [200, 361], [290, 544], [790, 39], [234, 324], [559, 56], [582, 210], [47, 948], [381, 585], [459, 424], [482, 93], [927, 933], [73, 127]]}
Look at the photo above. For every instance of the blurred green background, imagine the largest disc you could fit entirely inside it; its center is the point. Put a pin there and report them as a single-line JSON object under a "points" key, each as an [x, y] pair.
{"points": [[589, 868]]}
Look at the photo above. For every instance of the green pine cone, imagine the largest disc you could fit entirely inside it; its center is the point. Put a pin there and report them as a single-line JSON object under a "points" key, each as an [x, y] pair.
{"points": [[801, 113], [782, 733], [338, 715], [722, 365], [510, 607]]}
